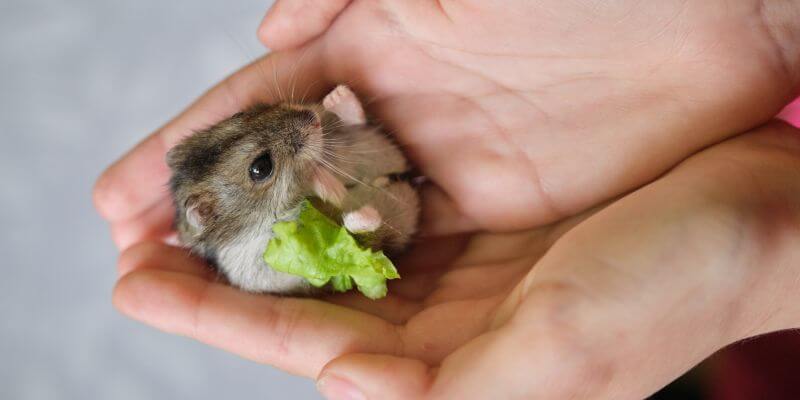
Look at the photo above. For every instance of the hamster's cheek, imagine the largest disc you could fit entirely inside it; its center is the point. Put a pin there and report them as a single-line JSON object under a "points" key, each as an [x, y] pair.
{"points": [[312, 150]]}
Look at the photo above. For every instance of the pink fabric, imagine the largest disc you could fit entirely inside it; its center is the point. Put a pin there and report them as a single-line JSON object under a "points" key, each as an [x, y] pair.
{"points": [[791, 114], [763, 368]]}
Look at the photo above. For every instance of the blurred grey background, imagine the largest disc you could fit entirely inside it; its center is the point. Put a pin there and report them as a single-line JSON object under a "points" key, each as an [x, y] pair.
{"points": [[82, 81]]}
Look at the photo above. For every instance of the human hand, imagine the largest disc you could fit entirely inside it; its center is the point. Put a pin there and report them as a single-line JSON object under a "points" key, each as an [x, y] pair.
{"points": [[591, 109], [612, 304], [540, 109]]}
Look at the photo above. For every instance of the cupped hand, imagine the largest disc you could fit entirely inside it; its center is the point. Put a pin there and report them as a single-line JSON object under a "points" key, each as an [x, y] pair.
{"points": [[611, 304], [521, 113]]}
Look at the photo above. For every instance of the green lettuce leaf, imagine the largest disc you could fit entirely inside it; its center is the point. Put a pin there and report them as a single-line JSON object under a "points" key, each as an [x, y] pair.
{"points": [[321, 251]]}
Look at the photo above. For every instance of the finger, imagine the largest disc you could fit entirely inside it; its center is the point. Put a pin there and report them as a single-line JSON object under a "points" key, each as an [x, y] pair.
{"points": [[117, 195], [154, 223], [291, 23], [420, 337], [155, 255], [415, 286], [392, 308], [137, 181], [374, 376], [472, 372], [441, 269], [423, 263], [297, 335]]}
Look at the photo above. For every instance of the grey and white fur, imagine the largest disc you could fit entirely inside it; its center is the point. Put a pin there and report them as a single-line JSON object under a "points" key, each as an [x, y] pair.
{"points": [[231, 182]]}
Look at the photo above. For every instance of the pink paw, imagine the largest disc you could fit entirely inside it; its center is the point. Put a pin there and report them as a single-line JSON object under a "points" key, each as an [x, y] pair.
{"points": [[365, 219]]}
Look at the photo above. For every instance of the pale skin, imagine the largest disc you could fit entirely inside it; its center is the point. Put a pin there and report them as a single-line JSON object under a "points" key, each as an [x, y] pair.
{"points": [[563, 256]]}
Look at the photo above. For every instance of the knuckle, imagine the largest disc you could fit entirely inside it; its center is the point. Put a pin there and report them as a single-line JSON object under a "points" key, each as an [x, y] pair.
{"points": [[137, 256], [112, 199], [102, 193], [281, 320], [262, 32]]}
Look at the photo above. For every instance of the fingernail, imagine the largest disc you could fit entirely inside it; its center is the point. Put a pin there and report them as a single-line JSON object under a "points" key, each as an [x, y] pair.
{"points": [[334, 388]]}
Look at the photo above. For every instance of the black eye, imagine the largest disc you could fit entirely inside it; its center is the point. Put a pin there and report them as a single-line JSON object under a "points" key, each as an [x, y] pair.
{"points": [[261, 168]]}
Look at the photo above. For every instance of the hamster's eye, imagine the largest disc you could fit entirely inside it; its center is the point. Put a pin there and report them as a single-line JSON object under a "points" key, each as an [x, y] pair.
{"points": [[261, 168]]}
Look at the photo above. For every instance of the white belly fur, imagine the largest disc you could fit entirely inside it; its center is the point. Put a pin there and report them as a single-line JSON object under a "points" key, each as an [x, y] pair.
{"points": [[243, 264]]}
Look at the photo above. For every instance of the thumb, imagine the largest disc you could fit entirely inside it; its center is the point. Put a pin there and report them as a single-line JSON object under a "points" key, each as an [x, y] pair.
{"points": [[373, 376], [291, 23]]}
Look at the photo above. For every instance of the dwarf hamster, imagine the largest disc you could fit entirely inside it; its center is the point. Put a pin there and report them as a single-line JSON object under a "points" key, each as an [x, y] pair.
{"points": [[231, 182]]}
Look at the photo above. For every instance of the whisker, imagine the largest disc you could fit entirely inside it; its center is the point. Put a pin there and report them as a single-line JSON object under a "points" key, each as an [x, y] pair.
{"points": [[337, 170], [308, 88], [275, 80], [292, 79]]}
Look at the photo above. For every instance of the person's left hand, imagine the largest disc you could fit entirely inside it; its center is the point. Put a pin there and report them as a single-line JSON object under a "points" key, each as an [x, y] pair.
{"points": [[614, 303], [519, 113]]}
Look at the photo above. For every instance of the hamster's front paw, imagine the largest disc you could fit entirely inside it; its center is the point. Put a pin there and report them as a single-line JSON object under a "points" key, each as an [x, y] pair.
{"points": [[365, 219]]}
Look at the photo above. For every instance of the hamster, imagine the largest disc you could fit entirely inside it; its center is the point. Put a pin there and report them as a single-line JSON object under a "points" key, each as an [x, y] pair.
{"points": [[231, 182]]}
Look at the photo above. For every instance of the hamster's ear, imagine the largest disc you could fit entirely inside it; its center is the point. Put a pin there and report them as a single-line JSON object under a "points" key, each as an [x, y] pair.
{"points": [[199, 212], [193, 218], [344, 103]]}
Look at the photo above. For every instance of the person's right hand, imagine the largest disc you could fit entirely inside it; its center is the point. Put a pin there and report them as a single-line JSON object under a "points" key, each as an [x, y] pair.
{"points": [[520, 112], [613, 304]]}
